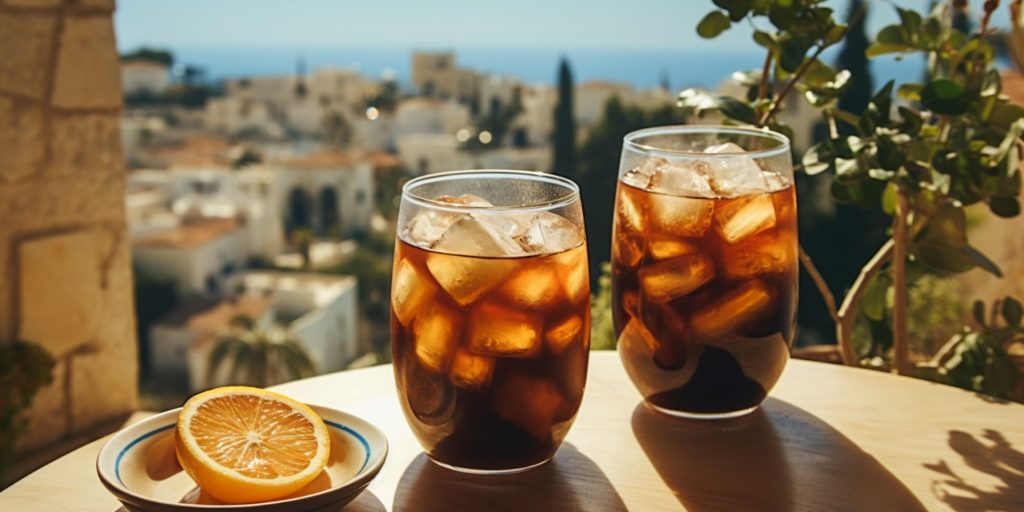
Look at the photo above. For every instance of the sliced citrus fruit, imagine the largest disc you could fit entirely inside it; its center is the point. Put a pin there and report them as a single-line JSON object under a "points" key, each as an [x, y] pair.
{"points": [[248, 445]]}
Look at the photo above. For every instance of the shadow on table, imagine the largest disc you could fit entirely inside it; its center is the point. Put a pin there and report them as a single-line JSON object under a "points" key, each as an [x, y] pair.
{"points": [[997, 458], [365, 502], [571, 481], [779, 457]]}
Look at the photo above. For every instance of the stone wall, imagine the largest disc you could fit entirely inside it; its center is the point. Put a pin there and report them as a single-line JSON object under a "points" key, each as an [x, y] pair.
{"points": [[65, 268]]}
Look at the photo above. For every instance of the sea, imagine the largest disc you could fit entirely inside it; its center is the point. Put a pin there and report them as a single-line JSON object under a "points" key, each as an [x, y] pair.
{"points": [[640, 67]]}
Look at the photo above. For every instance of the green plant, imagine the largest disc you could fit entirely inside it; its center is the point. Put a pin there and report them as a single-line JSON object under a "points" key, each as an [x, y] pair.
{"points": [[979, 360], [564, 134], [24, 369], [920, 152], [258, 357], [602, 329]]}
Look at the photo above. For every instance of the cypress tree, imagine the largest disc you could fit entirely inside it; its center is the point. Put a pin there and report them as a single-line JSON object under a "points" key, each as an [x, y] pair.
{"points": [[852, 57], [564, 162]]}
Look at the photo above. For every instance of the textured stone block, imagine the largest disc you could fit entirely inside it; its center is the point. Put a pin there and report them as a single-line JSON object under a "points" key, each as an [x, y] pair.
{"points": [[88, 73], [59, 290], [21, 139], [35, 3], [85, 143], [47, 421], [53, 202], [102, 387], [26, 40], [98, 4]]}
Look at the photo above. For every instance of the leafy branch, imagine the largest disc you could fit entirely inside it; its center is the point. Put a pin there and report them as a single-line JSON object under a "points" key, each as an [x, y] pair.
{"points": [[920, 152]]}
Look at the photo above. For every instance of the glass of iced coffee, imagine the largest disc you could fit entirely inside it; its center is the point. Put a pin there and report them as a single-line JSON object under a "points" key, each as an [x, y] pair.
{"points": [[704, 266], [490, 316]]}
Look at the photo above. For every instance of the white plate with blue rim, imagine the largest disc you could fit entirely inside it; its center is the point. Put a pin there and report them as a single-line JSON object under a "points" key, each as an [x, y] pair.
{"points": [[139, 467]]}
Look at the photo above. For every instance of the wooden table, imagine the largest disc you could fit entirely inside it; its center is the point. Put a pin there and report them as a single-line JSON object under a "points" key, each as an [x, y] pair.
{"points": [[829, 439]]}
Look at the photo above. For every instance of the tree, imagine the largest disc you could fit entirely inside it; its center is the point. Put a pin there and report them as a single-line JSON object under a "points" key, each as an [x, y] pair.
{"points": [[598, 171], [302, 238], [954, 142], [564, 162], [853, 58], [337, 129], [164, 57], [258, 357]]}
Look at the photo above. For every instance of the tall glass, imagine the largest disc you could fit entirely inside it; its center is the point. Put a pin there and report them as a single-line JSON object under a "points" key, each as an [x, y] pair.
{"points": [[490, 316], [704, 266]]}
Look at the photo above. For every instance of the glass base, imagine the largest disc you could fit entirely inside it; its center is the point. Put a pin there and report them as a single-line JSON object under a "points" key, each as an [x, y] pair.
{"points": [[476, 471], [703, 415]]}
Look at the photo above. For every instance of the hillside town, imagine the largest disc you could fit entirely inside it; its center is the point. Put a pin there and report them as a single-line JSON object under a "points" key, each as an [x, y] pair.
{"points": [[248, 197]]}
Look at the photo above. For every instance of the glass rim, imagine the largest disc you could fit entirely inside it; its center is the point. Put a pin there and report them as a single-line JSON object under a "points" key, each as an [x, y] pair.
{"points": [[572, 195], [631, 141]]}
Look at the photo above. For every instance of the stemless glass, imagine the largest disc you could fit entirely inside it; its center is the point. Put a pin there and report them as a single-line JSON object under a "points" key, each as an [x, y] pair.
{"points": [[704, 266], [490, 316]]}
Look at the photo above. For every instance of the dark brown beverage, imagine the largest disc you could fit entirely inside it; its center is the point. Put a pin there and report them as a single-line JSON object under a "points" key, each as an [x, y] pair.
{"points": [[704, 287], [490, 352]]}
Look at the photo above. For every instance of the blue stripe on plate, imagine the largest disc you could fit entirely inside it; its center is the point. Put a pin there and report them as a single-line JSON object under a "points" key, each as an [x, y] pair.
{"points": [[137, 440], [117, 462]]}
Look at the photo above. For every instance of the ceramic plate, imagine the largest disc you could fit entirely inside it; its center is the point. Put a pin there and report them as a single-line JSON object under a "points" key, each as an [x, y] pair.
{"points": [[138, 466]]}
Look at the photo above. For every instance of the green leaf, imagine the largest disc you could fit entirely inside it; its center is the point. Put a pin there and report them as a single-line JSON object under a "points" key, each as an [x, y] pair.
{"points": [[944, 97], [877, 49], [910, 23], [889, 199], [738, 9], [813, 162], [978, 310], [1005, 114], [982, 261], [1006, 207], [873, 302], [736, 109], [765, 40], [793, 53], [834, 34], [1012, 311], [891, 34], [713, 24]]}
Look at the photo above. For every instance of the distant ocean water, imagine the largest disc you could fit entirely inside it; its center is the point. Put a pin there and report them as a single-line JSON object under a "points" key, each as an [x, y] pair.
{"points": [[638, 67]]}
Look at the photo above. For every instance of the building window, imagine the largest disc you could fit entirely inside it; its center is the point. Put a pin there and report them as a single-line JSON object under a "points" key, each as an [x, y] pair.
{"points": [[360, 197]]}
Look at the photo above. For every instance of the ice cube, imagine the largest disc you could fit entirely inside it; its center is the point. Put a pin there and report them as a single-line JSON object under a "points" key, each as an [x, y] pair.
{"points": [[681, 216], [549, 233], [665, 248], [436, 334], [637, 349], [572, 267], [429, 395], [745, 216], [686, 179], [429, 225], [765, 253], [628, 250], [630, 216], [675, 278], [471, 371], [531, 402], [411, 289], [736, 311], [734, 175], [668, 330], [469, 236], [774, 181], [467, 278], [533, 287], [464, 200], [640, 176], [559, 336], [500, 331]]}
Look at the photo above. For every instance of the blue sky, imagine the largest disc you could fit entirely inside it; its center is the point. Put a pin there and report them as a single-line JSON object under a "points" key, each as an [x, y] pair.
{"points": [[560, 24]]}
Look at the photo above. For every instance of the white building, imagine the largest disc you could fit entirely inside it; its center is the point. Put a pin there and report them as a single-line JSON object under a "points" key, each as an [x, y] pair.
{"points": [[591, 97], [435, 74], [318, 311], [430, 115], [144, 76], [160, 201], [201, 256], [328, 192]]}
